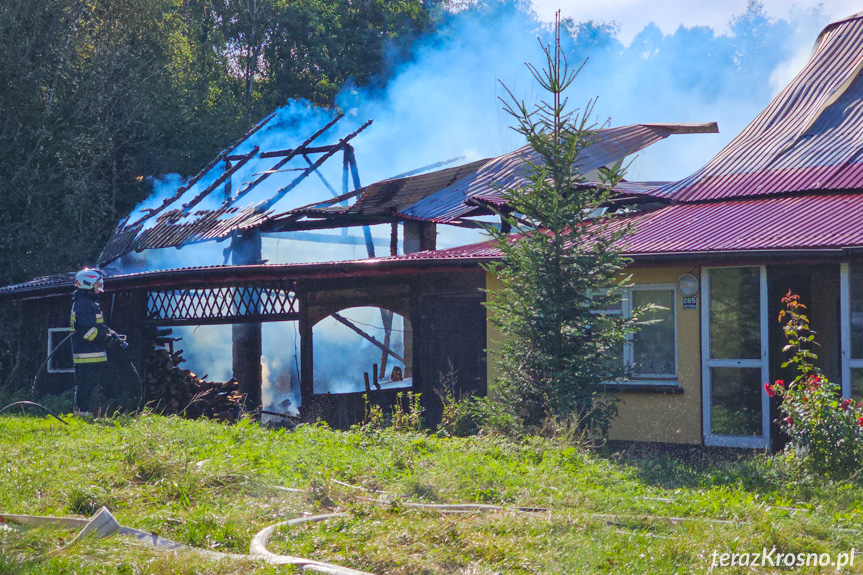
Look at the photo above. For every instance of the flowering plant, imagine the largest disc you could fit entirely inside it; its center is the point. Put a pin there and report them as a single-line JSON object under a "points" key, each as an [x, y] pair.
{"points": [[826, 430]]}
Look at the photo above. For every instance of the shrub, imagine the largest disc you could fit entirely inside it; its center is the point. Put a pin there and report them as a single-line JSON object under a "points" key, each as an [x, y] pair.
{"points": [[826, 431]]}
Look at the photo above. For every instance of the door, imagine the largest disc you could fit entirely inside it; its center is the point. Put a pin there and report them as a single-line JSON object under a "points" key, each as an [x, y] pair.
{"points": [[734, 356], [452, 347]]}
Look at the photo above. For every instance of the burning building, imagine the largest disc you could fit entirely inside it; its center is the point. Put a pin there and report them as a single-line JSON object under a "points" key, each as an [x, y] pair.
{"points": [[427, 313]]}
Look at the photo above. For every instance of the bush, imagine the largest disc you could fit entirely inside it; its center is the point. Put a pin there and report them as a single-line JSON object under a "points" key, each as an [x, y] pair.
{"points": [[826, 431]]}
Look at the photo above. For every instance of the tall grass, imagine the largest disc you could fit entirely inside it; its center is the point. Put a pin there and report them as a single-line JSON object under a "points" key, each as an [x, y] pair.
{"points": [[211, 486]]}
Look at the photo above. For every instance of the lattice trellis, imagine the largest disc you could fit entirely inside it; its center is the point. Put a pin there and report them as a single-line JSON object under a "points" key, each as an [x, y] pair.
{"points": [[223, 305]]}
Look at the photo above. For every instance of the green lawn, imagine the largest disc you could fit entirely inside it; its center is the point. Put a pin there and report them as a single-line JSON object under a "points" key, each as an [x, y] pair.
{"points": [[211, 486]]}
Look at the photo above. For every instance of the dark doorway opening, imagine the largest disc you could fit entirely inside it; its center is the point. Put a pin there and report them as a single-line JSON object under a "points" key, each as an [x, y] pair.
{"points": [[818, 288]]}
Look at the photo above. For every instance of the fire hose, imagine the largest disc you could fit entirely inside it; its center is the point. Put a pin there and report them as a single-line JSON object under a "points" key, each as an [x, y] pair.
{"points": [[103, 524], [120, 340]]}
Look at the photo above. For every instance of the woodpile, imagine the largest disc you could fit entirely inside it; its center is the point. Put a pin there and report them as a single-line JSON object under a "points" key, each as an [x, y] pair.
{"points": [[169, 389]]}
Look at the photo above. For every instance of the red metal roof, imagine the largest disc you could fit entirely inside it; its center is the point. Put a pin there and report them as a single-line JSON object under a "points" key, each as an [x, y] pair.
{"points": [[809, 138], [809, 222], [511, 170]]}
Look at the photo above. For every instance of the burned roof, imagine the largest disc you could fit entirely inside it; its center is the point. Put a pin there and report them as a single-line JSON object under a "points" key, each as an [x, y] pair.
{"points": [[807, 139], [443, 195], [511, 170], [176, 221]]}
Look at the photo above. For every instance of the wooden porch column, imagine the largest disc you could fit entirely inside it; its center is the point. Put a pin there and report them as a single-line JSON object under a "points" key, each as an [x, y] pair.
{"points": [[307, 384], [246, 338]]}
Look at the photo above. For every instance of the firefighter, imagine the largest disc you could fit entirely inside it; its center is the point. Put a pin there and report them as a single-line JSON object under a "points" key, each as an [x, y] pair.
{"points": [[89, 340]]}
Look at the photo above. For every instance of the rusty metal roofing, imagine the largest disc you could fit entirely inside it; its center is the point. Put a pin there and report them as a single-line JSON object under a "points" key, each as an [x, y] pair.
{"points": [[511, 170], [390, 196], [800, 222], [809, 138]]}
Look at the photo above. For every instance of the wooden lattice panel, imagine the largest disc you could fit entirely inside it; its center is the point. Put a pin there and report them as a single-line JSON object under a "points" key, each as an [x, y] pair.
{"points": [[223, 305]]}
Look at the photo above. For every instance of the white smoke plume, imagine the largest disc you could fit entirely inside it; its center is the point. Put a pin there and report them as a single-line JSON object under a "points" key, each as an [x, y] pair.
{"points": [[444, 103]]}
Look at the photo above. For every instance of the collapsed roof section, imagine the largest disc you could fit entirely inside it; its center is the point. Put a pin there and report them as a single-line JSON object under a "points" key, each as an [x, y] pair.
{"points": [[810, 137], [176, 222], [443, 196]]}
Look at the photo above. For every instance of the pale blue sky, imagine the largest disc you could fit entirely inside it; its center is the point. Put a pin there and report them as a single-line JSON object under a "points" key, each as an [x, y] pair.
{"points": [[633, 15]]}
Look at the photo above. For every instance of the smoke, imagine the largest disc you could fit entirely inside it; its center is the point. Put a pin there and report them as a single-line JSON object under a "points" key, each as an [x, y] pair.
{"points": [[445, 102]]}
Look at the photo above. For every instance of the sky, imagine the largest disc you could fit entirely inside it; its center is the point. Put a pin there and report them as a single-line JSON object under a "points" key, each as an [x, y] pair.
{"points": [[668, 15]]}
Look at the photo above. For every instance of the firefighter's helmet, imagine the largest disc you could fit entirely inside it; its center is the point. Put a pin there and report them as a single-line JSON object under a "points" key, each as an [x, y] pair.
{"points": [[89, 278]]}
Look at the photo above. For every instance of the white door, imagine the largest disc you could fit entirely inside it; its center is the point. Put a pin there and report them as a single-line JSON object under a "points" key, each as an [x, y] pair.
{"points": [[734, 356]]}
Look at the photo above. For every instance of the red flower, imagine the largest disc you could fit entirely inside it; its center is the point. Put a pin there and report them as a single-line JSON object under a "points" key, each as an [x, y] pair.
{"points": [[789, 420], [779, 382], [860, 421], [769, 389], [845, 404]]}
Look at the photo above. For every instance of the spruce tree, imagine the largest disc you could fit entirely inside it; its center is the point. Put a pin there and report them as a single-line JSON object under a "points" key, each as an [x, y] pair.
{"points": [[562, 270]]}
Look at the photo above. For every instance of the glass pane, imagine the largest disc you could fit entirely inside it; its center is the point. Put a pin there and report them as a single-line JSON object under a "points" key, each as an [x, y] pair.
{"points": [[857, 384], [856, 284], [653, 345], [735, 313], [735, 401]]}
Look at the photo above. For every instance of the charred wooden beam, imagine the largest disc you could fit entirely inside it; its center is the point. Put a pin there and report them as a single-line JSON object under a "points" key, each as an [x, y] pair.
{"points": [[220, 180], [322, 178], [282, 192], [197, 177], [295, 151], [348, 323], [285, 160]]}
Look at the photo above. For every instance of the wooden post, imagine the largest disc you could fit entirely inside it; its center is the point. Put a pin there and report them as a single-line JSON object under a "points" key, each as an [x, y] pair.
{"points": [[307, 381], [247, 338]]}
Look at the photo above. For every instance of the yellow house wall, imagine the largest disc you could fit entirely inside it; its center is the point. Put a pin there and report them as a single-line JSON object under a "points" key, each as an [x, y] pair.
{"points": [[649, 416]]}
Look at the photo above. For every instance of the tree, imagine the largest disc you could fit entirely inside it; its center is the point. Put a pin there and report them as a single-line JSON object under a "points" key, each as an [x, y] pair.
{"points": [[563, 271]]}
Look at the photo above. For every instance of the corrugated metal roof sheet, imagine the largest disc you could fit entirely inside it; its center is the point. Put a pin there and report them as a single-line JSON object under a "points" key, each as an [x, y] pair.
{"points": [[808, 222], [511, 170], [389, 196], [809, 138]]}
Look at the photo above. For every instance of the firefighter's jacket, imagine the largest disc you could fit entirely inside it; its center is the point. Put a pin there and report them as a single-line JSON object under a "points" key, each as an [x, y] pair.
{"points": [[90, 334]]}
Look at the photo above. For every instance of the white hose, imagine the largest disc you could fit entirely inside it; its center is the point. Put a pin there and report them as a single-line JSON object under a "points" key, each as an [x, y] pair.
{"points": [[103, 524]]}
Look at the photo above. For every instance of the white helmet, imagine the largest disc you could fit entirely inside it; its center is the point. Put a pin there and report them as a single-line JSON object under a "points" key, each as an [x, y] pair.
{"points": [[89, 278]]}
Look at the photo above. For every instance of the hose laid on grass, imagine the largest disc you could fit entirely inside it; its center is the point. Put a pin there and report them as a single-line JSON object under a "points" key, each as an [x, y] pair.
{"points": [[103, 524], [33, 403]]}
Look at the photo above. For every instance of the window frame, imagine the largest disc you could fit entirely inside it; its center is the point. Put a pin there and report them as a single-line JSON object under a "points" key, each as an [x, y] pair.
{"points": [[628, 359], [49, 364], [629, 347]]}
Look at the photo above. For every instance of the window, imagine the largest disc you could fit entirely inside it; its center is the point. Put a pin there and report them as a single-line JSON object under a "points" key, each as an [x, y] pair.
{"points": [[61, 361], [652, 352]]}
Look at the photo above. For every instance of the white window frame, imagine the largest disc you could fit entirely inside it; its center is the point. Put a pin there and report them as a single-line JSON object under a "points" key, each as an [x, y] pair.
{"points": [[848, 362], [707, 362], [628, 358], [628, 347], [51, 348]]}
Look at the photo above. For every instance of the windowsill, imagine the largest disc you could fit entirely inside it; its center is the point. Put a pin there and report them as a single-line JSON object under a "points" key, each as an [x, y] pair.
{"points": [[663, 387]]}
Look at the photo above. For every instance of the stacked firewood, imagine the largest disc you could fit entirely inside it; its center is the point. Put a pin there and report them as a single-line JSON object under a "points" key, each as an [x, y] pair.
{"points": [[170, 389]]}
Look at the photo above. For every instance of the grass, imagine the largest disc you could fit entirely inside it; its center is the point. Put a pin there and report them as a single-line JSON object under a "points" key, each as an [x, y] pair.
{"points": [[210, 485]]}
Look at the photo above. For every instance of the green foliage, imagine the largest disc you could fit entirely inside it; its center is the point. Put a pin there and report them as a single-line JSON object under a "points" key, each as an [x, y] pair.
{"points": [[563, 270], [826, 431], [407, 418]]}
